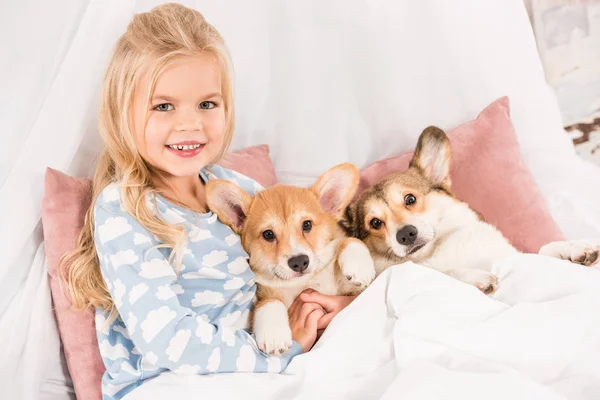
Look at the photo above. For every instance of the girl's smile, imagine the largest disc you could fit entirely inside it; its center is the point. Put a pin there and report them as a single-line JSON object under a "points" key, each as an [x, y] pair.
{"points": [[186, 149]]}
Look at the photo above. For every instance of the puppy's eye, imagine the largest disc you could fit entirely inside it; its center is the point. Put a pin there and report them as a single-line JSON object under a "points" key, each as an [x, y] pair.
{"points": [[376, 223], [268, 235], [307, 226], [410, 199]]}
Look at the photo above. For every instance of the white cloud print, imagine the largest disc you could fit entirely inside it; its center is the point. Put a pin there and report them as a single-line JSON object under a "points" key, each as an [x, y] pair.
{"points": [[111, 193], [126, 257], [172, 217], [177, 344], [140, 238], [215, 257], [126, 367], [232, 239], [164, 292], [131, 322], [156, 321], [136, 292], [246, 362], [205, 329], [228, 336], [234, 283], [149, 362], [177, 288], [113, 228], [230, 319], [214, 360], [197, 235], [205, 273], [118, 293], [101, 323], [246, 297], [122, 331], [208, 297], [113, 352], [238, 266], [156, 268], [240, 176]]}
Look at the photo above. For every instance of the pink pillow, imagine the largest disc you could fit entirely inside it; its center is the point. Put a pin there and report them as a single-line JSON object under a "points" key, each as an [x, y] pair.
{"points": [[489, 174], [64, 205], [254, 162]]}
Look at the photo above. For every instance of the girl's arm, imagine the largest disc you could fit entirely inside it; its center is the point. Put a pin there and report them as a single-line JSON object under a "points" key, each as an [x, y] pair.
{"points": [[142, 285]]}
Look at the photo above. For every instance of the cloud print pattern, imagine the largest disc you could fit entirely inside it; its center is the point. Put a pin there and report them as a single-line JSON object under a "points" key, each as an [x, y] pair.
{"points": [[192, 322]]}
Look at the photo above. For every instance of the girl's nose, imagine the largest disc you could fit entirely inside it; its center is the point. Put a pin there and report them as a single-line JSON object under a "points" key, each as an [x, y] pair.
{"points": [[189, 120]]}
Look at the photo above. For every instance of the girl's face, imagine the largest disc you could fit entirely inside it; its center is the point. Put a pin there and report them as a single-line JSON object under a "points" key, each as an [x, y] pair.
{"points": [[186, 119]]}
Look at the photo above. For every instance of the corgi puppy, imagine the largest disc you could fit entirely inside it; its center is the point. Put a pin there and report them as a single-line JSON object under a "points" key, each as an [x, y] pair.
{"points": [[294, 242], [413, 216]]}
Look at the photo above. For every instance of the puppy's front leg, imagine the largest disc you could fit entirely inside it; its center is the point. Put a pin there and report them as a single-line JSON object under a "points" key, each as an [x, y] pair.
{"points": [[355, 263], [482, 280], [584, 252], [272, 327]]}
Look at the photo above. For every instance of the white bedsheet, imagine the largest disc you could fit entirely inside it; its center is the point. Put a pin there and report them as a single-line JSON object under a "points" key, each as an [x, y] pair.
{"points": [[418, 334]]}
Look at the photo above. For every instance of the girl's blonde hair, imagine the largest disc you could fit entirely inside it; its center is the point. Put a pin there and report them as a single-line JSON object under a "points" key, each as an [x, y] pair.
{"points": [[152, 40]]}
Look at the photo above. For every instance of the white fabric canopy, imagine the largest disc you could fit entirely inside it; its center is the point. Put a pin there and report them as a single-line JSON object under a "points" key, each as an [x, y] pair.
{"points": [[320, 82]]}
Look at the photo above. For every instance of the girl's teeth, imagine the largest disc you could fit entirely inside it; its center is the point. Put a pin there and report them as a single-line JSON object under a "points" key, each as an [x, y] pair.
{"points": [[184, 147]]}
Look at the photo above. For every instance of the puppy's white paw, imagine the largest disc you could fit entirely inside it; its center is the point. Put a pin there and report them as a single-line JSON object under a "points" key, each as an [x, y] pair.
{"points": [[272, 328], [482, 280], [357, 265], [582, 252]]}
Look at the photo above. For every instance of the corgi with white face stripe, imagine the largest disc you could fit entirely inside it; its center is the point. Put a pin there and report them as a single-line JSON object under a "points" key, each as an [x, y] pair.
{"points": [[413, 216], [295, 243]]}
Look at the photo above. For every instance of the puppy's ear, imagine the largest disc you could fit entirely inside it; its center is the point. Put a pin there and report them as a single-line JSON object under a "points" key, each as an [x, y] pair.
{"points": [[229, 201], [432, 156], [348, 221], [336, 188]]}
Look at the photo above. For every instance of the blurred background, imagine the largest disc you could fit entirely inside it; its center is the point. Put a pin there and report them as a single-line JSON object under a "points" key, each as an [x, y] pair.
{"points": [[568, 39]]}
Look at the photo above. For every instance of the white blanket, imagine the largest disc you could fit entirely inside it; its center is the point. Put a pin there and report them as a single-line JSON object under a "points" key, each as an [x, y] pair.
{"points": [[418, 334]]}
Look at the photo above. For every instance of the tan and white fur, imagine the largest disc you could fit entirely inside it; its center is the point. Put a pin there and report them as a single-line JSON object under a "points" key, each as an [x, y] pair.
{"points": [[294, 242], [413, 216]]}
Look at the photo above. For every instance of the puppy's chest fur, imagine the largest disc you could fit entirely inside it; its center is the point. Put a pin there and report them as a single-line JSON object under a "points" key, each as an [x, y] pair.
{"points": [[476, 245]]}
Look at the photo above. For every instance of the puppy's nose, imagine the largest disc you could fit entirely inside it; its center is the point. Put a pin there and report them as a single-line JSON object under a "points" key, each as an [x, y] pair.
{"points": [[407, 235], [298, 263]]}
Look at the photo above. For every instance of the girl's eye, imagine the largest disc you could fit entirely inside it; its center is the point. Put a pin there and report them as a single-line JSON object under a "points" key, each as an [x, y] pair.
{"points": [[307, 226], [268, 235], [164, 107], [207, 105]]}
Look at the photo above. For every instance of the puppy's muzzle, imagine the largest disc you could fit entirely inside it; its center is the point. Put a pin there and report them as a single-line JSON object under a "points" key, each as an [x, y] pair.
{"points": [[407, 235], [299, 263]]}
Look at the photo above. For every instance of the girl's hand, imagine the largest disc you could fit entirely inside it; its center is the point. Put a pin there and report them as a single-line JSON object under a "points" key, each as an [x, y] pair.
{"points": [[304, 318], [331, 304]]}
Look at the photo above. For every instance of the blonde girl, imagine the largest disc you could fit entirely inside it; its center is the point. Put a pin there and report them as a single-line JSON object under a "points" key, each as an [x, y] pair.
{"points": [[170, 284]]}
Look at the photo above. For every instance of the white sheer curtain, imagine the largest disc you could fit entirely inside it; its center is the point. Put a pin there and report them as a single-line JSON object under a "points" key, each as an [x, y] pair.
{"points": [[321, 82], [53, 56]]}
